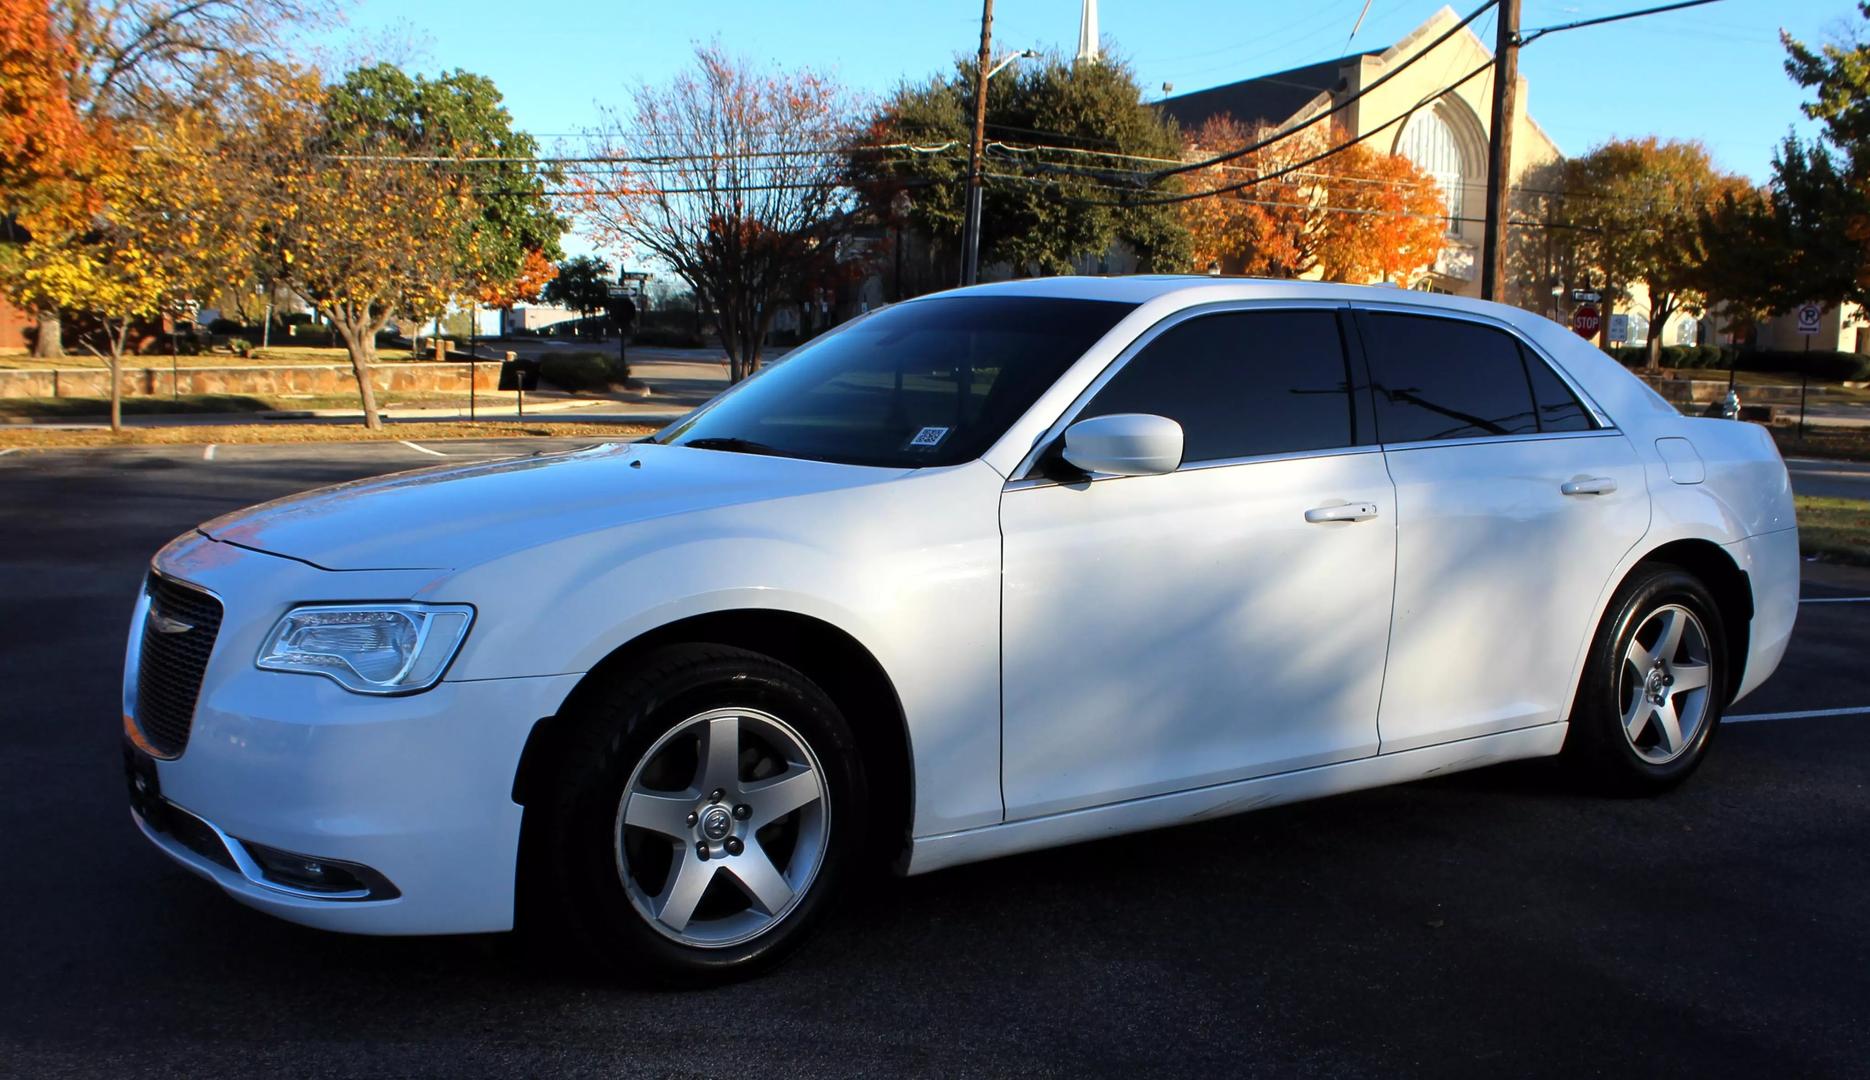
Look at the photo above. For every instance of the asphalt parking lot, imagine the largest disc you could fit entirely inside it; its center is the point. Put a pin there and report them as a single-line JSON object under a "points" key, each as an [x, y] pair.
{"points": [[1493, 923]]}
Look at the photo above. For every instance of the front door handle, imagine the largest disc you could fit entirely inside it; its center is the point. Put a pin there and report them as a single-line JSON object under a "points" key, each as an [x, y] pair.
{"points": [[1342, 512], [1589, 485]]}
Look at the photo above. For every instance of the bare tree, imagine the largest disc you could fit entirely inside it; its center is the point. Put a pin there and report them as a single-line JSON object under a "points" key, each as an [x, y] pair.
{"points": [[730, 176]]}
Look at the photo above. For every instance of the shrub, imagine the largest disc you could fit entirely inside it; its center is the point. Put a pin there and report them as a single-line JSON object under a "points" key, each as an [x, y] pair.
{"points": [[667, 337], [581, 372], [239, 346], [226, 326], [297, 318]]}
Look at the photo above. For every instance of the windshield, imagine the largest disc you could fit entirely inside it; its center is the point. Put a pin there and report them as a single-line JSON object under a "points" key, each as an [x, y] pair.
{"points": [[933, 382]]}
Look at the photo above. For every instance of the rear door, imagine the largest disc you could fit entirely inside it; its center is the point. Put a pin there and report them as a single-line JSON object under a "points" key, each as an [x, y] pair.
{"points": [[1514, 502]]}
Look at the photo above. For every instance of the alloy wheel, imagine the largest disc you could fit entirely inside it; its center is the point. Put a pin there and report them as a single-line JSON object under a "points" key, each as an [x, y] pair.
{"points": [[1664, 685], [722, 827]]}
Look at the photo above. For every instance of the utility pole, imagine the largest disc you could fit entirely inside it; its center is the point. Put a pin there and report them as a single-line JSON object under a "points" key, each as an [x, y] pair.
{"points": [[970, 228], [1500, 151]]}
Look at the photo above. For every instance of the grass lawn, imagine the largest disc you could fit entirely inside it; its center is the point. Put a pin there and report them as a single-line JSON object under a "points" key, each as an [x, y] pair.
{"points": [[278, 432], [1837, 529]]}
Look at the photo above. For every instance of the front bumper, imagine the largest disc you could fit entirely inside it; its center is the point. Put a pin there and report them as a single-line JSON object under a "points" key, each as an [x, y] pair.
{"points": [[417, 789]]}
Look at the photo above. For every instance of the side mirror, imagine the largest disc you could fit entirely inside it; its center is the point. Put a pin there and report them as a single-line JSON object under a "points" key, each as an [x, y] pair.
{"points": [[1124, 444]]}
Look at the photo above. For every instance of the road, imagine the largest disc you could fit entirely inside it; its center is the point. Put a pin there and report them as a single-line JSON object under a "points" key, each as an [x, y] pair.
{"points": [[1493, 923]]}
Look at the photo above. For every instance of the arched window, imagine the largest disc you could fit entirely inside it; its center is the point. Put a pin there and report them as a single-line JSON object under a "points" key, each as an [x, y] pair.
{"points": [[1429, 141]]}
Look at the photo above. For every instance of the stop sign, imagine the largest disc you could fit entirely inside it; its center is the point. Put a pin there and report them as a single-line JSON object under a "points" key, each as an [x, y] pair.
{"points": [[1585, 320]]}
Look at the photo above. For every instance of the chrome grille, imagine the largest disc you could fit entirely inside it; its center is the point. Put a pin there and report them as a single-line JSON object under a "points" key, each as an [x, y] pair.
{"points": [[178, 635]]}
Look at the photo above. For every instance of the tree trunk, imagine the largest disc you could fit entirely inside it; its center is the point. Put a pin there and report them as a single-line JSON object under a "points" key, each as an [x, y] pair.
{"points": [[1661, 306], [48, 343], [733, 342], [360, 342], [116, 343], [363, 360]]}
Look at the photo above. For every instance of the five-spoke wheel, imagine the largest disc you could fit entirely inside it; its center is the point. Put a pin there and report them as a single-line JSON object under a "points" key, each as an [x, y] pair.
{"points": [[1654, 683], [1665, 684], [722, 827], [704, 806]]}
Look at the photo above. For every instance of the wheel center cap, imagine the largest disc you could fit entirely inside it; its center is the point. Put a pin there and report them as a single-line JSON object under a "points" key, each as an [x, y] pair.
{"points": [[716, 823], [1654, 684]]}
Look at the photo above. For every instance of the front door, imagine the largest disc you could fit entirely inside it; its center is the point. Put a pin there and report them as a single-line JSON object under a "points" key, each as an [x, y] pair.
{"points": [[1224, 621]]}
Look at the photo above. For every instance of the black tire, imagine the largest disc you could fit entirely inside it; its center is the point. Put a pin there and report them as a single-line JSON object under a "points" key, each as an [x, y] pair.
{"points": [[1596, 746], [578, 877]]}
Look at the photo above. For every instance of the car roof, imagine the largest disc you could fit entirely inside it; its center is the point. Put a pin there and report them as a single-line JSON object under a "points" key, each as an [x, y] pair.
{"points": [[1201, 288]]}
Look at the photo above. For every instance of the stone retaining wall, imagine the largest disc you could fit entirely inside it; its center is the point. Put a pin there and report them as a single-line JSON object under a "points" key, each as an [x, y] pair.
{"points": [[258, 379]]}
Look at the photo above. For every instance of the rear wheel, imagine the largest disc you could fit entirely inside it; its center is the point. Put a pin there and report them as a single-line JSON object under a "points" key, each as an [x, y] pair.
{"points": [[1654, 686], [702, 816]]}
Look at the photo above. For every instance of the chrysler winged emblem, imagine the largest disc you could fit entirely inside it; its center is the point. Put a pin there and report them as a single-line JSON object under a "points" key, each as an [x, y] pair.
{"points": [[166, 625]]}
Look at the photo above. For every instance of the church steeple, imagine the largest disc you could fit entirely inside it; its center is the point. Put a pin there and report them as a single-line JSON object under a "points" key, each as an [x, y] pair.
{"points": [[1087, 31]]}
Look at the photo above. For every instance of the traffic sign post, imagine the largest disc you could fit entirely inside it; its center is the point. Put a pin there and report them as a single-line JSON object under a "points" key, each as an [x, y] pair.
{"points": [[1811, 314], [1586, 320]]}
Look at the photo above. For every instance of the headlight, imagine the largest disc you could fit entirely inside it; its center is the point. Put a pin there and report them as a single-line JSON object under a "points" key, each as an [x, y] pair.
{"points": [[369, 648]]}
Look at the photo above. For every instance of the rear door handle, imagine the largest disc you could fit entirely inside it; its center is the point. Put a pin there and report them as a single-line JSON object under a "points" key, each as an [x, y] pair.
{"points": [[1589, 485], [1342, 512]]}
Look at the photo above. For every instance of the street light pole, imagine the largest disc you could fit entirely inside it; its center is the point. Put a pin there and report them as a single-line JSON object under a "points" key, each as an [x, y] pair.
{"points": [[1500, 152], [970, 227]]}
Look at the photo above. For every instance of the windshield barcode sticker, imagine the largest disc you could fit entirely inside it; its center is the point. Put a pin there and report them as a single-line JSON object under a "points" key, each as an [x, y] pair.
{"points": [[929, 437]]}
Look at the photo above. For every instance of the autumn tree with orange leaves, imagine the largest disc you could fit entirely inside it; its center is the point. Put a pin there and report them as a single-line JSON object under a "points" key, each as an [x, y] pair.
{"points": [[731, 176], [72, 71], [51, 155], [1358, 215], [42, 140]]}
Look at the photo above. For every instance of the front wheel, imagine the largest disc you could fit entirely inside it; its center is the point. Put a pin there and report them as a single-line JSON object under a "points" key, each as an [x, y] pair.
{"points": [[704, 811], [1654, 686]]}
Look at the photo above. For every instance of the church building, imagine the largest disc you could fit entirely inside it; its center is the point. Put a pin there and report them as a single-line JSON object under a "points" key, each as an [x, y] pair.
{"points": [[1445, 136]]}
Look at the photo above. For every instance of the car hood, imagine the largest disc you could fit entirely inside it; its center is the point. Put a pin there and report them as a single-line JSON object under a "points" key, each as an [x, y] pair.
{"points": [[455, 516]]}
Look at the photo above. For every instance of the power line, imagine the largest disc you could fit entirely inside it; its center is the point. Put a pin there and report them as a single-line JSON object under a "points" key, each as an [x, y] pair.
{"points": [[1359, 210], [1339, 107], [1531, 36], [1182, 197]]}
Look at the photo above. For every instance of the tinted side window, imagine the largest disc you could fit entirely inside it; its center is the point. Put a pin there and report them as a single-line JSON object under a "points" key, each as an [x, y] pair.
{"points": [[1445, 379], [1241, 384], [1559, 408]]}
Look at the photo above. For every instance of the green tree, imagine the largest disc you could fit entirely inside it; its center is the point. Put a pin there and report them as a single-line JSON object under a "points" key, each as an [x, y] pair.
{"points": [[1821, 189], [582, 284], [1635, 208], [362, 232], [460, 115], [1041, 212]]}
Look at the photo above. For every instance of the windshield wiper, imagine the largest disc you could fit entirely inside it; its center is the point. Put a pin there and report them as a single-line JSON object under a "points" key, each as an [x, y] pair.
{"points": [[734, 445]]}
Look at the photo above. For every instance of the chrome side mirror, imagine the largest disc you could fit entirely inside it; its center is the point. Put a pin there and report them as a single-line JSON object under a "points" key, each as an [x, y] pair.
{"points": [[1124, 444]]}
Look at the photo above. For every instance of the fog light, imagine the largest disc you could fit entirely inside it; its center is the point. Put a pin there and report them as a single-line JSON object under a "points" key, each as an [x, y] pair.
{"points": [[310, 873]]}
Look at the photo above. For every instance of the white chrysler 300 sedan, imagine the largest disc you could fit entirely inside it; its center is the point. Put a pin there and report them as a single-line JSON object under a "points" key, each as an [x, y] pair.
{"points": [[983, 572]]}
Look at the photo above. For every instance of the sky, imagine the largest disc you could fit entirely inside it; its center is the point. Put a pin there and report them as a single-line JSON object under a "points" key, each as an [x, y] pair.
{"points": [[1712, 73]]}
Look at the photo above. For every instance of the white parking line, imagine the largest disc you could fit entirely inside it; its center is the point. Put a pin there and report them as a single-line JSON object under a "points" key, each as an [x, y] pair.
{"points": [[1835, 600], [1804, 714], [207, 453], [421, 449]]}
